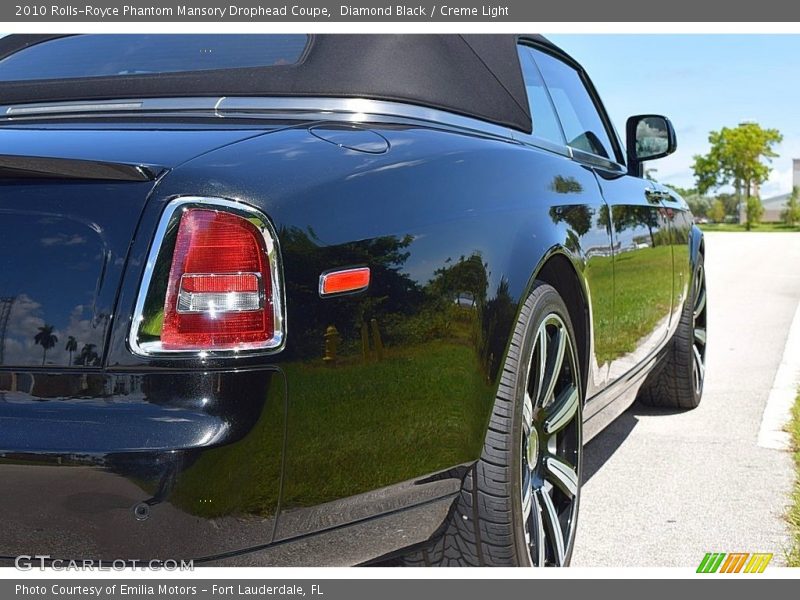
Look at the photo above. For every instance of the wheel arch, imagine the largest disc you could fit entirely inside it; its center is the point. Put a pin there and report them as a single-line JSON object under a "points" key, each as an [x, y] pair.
{"points": [[697, 244], [697, 251], [557, 269]]}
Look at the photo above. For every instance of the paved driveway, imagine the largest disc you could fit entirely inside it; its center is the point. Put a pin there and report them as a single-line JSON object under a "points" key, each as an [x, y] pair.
{"points": [[663, 488]]}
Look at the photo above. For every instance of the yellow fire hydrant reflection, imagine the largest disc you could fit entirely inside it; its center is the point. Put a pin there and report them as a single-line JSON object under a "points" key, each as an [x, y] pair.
{"points": [[332, 339]]}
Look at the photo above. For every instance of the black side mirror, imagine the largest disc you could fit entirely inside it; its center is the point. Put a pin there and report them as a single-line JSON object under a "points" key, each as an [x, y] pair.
{"points": [[648, 137]]}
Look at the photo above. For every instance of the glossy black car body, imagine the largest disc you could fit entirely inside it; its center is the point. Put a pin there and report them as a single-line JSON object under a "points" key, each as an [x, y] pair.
{"points": [[350, 443]]}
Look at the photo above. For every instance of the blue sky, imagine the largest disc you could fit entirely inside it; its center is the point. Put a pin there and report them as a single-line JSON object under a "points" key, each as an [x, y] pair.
{"points": [[702, 83]]}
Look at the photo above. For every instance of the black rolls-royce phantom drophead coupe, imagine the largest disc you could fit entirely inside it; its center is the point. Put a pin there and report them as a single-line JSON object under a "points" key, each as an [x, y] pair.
{"points": [[324, 299]]}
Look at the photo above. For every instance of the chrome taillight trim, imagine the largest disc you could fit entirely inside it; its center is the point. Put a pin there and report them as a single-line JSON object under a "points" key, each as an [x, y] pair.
{"points": [[172, 211]]}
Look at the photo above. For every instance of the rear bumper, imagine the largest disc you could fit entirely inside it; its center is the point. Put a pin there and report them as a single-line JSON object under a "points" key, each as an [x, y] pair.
{"points": [[377, 541], [137, 466], [144, 467]]}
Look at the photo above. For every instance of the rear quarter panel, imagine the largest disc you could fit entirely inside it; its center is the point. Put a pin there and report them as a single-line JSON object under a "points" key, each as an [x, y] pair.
{"points": [[453, 227]]}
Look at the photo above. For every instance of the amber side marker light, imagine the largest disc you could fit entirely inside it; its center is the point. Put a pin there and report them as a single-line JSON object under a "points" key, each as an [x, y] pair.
{"points": [[344, 281]]}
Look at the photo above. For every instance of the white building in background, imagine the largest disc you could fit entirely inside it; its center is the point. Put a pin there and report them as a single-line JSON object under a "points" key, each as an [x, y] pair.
{"points": [[774, 206], [796, 172]]}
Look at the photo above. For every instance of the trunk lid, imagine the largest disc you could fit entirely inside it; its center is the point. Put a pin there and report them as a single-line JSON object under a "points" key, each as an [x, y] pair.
{"points": [[70, 200]]}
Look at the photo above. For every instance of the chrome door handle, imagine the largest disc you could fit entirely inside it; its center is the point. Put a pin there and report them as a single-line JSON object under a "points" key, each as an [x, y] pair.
{"points": [[654, 196]]}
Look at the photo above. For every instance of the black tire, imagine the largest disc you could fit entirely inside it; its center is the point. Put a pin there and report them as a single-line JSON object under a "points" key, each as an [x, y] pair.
{"points": [[678, 381], [486, 527]]}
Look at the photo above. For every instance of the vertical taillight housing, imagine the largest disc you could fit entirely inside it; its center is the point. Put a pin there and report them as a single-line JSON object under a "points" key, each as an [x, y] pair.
{"points": [[212, 283]]}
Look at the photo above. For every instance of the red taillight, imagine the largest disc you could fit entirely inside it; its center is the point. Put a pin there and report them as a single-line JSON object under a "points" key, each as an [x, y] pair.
{"points": [[219, 294]]}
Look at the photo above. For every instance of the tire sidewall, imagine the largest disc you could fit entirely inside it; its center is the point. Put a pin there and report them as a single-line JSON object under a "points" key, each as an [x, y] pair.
{"points": [[699, 271], [542, 301]]}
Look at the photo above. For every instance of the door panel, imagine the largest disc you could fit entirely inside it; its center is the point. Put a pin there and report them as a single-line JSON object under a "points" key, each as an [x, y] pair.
{"points": [[633, 215], [580, 208], [642, 270], [581, 213]]}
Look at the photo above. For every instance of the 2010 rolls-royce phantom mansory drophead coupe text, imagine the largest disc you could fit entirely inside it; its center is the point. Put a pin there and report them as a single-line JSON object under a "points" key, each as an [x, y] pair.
{"points": [[325, 299]]}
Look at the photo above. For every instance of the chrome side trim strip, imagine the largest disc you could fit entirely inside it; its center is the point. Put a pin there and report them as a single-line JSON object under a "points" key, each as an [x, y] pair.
{"points": [[311, 108], [50, 109], [360, 110], [351, 110], [73, 108]]}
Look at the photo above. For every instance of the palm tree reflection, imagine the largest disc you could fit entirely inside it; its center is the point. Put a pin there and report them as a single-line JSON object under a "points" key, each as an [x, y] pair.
{"points": [[72, 346], [46, 339], [88, 356]]}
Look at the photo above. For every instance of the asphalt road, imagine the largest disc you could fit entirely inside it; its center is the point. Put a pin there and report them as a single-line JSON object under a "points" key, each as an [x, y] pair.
{"points": [[663, 488]]}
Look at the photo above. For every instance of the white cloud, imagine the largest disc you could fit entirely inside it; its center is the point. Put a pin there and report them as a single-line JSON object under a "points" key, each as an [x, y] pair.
{"points": [[24, 322]]}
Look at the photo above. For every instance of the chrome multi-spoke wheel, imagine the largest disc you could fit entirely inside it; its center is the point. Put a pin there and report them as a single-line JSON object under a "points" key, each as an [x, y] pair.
{"points": [[550, 445], [518, 504], [699, 330]]}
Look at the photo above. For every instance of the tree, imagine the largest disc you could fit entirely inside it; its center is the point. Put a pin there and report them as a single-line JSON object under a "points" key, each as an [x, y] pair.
{"points": [[737, 156], [467, 276], [393, 291], [684, 192], [792, 213], [72, 346], [626, 217], [717, 211], [88, 356], [698, 203], [731, 204], [755, 211], [45, 339], [577, 216]]}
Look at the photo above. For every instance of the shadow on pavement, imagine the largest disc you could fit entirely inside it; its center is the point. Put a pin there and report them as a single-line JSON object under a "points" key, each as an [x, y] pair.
{"points": [[608, 441]]}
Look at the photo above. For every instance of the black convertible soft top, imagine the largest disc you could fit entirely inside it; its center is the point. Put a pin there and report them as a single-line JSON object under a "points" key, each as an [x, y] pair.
{"points": [[473, 75]]}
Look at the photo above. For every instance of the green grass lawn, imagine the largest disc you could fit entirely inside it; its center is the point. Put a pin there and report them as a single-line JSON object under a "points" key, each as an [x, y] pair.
{"points": [[353, 426], [763, 227], [356, 427], [644, 281], [794, 513]]}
